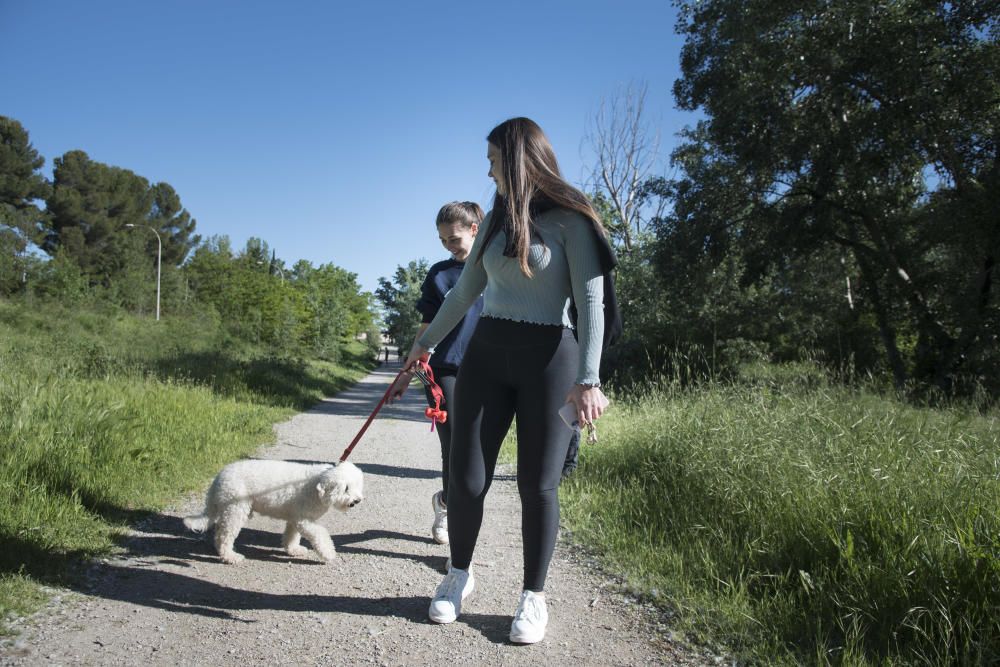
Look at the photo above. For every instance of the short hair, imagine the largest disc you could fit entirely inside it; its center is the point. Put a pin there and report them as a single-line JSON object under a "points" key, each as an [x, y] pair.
{"points": [[465, 213]]}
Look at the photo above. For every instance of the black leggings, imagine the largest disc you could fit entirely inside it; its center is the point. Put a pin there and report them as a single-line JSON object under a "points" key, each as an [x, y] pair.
{"points": [[511, 369], [444, 378]]}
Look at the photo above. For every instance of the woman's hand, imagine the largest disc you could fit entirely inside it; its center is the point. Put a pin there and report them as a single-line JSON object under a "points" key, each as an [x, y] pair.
{"points": [[417, 352], [403, 381], [399, 386], [590, 402]]}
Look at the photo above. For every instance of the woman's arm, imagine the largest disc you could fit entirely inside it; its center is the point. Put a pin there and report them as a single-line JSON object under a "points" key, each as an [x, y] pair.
{"points": [[587, 283]]}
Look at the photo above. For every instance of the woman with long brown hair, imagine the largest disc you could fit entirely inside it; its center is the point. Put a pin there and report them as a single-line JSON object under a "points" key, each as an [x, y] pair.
{"points": [[538, 249]]}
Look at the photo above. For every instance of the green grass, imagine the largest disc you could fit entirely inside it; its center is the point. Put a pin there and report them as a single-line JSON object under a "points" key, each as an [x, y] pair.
{"points": [[22, 596], [796, 522], [782, 517], [112, 417]]}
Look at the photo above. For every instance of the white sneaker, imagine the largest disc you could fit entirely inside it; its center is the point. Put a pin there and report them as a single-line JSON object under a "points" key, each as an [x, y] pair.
{"points": [[530, 619], [447, 602], [439, 531]]}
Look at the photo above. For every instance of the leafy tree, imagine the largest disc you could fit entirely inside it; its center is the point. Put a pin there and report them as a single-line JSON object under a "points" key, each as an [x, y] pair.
{"points": [[60, 279], [237, 287], [337, 309], [208, 269], [174, 223], [256, 253], [865, 130], [305, 311], [399, 301], [133, 286], [21, 186], [90, 205]]}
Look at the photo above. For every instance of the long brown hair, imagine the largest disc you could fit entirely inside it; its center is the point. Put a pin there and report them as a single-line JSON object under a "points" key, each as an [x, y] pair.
{"points": [[532, 180]]}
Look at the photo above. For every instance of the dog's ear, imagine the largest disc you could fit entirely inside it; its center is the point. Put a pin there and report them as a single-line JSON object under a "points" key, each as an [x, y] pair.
{"points": [[331, 489]]}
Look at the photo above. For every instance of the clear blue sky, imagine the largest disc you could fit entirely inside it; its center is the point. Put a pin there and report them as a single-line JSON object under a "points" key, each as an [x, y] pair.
{"points": [[333, 131]]}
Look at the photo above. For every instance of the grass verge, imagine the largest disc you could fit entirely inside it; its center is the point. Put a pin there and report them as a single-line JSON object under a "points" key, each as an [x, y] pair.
{"points": [[796, 522], [105, 419]]}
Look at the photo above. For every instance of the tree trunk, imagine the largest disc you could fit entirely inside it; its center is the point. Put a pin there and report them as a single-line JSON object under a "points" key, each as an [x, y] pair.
{"points": [[886, 331]]}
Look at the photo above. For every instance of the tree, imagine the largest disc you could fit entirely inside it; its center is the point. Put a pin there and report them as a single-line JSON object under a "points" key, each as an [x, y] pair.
{"points": [[208, 267], [90, 205], [856, 125], [256, 253], [173, 222], [337, 308], [21, 186], [399, 301], [625, 150], [312, 311]]}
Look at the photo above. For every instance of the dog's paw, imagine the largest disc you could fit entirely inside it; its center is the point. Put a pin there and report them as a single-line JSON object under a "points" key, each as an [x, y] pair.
{"points": [[232, 558], [298, 551], [327, 556]]}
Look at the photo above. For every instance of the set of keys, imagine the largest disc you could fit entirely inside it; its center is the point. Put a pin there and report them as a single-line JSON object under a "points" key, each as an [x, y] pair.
{"points": [[568, 414]]}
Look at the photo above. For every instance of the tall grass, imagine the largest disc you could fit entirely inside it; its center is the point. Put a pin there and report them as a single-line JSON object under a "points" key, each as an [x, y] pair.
{"points": [[797, 522], [105, 418]]}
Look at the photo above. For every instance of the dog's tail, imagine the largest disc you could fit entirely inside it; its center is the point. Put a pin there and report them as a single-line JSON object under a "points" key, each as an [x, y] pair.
{"points": [[198, 523]]}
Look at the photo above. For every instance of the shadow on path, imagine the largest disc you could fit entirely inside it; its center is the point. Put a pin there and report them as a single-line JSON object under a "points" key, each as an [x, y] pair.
{"points": [[184, 594], [190, 595], [380, 469], [166, 539], [140, 582]]}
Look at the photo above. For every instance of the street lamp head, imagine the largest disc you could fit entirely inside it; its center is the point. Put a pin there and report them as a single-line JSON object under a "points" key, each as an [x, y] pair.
{"points": [[129, 224]]}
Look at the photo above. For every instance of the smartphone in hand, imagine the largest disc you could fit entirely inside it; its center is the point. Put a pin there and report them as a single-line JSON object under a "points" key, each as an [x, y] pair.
{"points": [[568, 414]]}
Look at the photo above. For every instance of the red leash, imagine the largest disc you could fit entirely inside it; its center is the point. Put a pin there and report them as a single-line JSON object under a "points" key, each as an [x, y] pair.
{"points": [[426, 375], [436, 414]]}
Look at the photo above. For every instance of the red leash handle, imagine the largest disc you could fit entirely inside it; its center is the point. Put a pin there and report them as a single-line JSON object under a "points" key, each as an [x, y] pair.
{"points": [[426, 375], [436, 414]]}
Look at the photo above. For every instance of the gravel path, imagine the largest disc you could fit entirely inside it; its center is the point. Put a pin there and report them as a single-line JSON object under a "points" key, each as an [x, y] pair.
{"points": [[167, 600]]}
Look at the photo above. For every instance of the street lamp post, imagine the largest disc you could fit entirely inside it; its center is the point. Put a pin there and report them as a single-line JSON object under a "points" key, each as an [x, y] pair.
{"points": [[159, 256]]}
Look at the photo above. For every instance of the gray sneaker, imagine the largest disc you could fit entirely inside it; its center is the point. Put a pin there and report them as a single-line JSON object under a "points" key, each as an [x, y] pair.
{"points": [[530, 619], [439, 531], [447, 602]]}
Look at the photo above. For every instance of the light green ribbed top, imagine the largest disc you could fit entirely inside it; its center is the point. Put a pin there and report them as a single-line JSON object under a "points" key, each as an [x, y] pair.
{"points": [[564, 261]]}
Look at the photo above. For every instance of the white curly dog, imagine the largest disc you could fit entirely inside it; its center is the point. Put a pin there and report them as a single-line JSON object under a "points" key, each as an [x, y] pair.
{"points": [[299, 493]]}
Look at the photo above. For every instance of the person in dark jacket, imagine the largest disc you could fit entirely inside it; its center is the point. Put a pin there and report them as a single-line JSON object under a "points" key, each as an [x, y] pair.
{"points": [[457, 226]]}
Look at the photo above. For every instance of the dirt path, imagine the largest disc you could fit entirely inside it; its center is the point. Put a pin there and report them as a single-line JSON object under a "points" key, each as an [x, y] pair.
{"points": [[169, 601]]}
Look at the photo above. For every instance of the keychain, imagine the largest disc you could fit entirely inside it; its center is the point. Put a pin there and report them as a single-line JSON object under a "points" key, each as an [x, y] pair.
{"points": [[568, 414]]}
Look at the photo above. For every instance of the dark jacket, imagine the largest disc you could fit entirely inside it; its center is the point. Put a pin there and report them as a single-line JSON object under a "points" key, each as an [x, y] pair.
{"points": [[612, 315], [441, 277]]}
